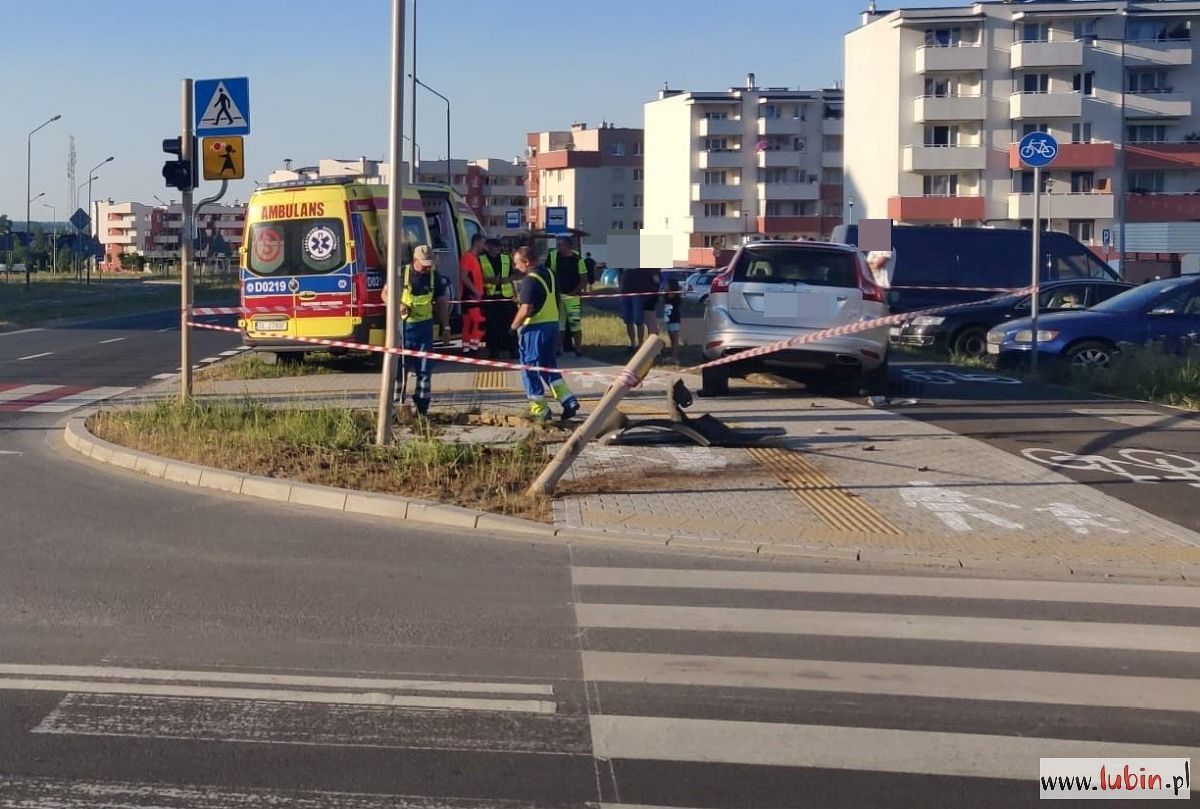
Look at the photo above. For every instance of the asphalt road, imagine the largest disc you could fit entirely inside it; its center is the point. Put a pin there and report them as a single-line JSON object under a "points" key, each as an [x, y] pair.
{"points": [[1144, 454], [164, 647]]}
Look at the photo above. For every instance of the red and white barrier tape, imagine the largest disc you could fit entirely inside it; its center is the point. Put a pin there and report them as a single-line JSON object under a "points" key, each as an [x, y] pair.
{"points": [[959, 289]]}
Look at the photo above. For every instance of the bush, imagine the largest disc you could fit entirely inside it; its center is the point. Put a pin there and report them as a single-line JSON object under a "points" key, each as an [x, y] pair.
{"points": [[1144, 372]]}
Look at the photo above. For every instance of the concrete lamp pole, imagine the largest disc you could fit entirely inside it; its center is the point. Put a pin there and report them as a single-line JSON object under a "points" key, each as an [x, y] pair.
{"points": [[91, 213], [28, 167], [443, 98], [54, 238], [78, 268]]}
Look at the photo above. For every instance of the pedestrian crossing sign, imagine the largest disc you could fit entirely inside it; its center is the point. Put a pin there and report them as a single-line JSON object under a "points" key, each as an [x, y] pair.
{"points": [[224, 158], [222, 106]]}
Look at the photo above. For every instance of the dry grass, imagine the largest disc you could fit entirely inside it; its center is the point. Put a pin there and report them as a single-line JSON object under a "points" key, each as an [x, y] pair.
{"points": [[250, 365], [333, 447], [605, 339]]}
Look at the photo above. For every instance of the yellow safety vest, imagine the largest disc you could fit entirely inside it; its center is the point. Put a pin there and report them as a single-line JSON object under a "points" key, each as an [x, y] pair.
{"points": [[420, 307], [549, 311], [493, 285], [552, 263]]}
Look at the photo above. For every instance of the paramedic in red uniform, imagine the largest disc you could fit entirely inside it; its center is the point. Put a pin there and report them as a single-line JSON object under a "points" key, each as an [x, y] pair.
{"points": [[472, 292]]}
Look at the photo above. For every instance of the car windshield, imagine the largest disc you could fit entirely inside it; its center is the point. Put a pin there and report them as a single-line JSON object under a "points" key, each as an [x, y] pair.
{"points": [[797, 265], [1141, 298]]}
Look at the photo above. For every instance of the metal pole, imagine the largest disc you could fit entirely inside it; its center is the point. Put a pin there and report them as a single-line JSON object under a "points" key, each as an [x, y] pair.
{"points": [[91, 227], [412, 124], [1120, 182], [1035, 280], [448, 174], [54, 242], [185, 249], [28, 232], [395, 236]]}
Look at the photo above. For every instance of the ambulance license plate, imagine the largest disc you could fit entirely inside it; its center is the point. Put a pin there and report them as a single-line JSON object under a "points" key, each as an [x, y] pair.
{"points": [[271, 325]]}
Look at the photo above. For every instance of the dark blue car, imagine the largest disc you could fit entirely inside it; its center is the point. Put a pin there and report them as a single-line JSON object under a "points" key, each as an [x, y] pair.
{"points": [[1163, 311]]}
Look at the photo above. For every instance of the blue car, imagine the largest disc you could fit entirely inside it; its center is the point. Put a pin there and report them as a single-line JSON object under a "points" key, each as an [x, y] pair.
{"points": [[1163, 311]]}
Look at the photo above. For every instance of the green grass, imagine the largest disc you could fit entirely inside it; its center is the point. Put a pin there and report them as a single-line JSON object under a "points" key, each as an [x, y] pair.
{"points": [[252, 365], [605, 339], [334, 447]]}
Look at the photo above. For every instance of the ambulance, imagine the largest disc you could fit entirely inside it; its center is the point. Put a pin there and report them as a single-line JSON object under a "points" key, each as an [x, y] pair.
{"points": [[313, 259]]}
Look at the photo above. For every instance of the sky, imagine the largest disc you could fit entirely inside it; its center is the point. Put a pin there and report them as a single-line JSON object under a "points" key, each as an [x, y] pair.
{"points": [[319, 76]]}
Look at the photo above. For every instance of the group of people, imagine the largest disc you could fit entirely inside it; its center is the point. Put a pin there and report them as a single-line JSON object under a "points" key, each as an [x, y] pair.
{"points": [[639, 310], [531, 315]]}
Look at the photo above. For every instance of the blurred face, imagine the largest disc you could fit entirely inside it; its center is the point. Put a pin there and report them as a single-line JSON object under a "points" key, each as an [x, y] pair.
{"points": [[522, 263], [493, 250], [565, 247]]}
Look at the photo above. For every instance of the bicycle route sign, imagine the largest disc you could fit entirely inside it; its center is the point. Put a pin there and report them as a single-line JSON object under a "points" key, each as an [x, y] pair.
{"points": [[1038, 150]]}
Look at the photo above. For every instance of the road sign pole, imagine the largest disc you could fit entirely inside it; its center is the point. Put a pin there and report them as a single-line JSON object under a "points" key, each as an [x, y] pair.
{"points": [[395, 236], [185, 252], [1035, 277]]}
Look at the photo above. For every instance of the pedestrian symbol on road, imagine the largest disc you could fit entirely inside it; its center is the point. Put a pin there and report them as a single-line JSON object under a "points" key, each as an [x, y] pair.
{"points": [[222, 106], [224, 158]]}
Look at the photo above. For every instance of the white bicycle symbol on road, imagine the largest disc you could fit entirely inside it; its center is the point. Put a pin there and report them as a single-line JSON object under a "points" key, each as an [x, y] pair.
{"points": [[1041, 148], [1133, 464], [944, 377]]}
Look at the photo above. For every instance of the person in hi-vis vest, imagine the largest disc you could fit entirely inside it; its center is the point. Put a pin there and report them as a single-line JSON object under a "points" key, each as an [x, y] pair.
{"points": [[500, 292], [536, 324], [570, 273], [424, 295]]}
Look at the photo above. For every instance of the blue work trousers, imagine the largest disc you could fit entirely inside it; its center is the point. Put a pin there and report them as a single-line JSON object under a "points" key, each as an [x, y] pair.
{"points": [[419, 337]]}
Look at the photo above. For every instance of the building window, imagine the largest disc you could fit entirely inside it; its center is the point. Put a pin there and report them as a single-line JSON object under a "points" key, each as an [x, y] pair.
{"points": [[941, 185], [618, 200], [714, 241], [560, 200], [1147, 182], [1085, 83], [637, 200], [802, 112], [716, 145], [618, 224], [714, 178], [801, 145], [1035, 83], [637, 224], [1146, 82], [1026, 182], [1081, 133], [638, 174], [1085, 29], [770, 111], [943, 37], [831, 209], [941, 135], [1083, 230], [714, 209], [1159, 31], [618, 149], [637, 147], [829, 143], [1083, 182], [1035, 126], [1147, 133], [715, 116], [941, 87], [618, 175], [1033, 32], [831, 177]]}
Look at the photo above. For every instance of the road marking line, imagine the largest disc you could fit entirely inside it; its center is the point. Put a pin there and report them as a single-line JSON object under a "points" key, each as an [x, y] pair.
{"points": [[77, 400], [1076, 634], [944, 682], [210, 359], [379, 698], [168, 328], [165, 376], [845, 748], [229, 353], [113, 340], [25, 391], [35, 356], [998, 589], [256, 678], [18, 331]]}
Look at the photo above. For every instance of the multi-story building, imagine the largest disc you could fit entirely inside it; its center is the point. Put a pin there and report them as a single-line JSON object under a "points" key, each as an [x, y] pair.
{"points": [[126, 228], [751, 160], [362, 168], [595, 173], [937, 97], [495, 189]]}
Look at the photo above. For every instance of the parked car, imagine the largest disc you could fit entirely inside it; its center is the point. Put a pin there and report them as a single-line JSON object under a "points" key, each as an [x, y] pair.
{"points": [[1166, 311], [956, 259], [775, 290], [697, 287], [964, 331]]}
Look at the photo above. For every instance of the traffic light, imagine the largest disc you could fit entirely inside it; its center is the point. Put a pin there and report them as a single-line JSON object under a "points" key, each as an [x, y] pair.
{"points": [[179, 173]]}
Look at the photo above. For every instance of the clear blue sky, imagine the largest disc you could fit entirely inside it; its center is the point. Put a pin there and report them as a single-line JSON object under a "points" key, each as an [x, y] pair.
{"points": [[319, 74]]}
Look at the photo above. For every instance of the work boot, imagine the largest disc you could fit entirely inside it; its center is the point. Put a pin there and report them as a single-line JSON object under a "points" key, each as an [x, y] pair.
{"points": [[570, 411]]}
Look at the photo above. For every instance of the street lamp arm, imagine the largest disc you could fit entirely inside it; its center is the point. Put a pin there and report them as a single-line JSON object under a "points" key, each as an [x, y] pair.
{"points": [[42, 125]]}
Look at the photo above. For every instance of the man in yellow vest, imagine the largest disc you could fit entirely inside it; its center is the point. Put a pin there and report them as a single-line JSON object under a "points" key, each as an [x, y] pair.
{"points": [[570, 273], [498, 289], [536, 324], [424, 295]]}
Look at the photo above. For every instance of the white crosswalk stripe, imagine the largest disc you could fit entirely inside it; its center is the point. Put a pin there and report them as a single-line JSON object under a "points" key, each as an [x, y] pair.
{"points": [[753, 673], [77, 400]]}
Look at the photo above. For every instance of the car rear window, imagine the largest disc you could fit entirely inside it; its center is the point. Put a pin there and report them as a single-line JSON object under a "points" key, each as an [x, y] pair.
{"points": [[790, 265]]}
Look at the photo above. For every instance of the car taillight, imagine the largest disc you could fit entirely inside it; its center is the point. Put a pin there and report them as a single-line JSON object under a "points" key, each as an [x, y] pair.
{"points": [[871, 291], [721, 282]]}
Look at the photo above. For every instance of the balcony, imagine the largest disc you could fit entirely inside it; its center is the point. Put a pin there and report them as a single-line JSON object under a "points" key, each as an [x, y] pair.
{"points": [[1168, 53], [802, 191], [1073, 156], [950, 108], [793, 224], [936, 209], [1162, 156], [780, 126], [709, 257], [1045, 105], [1162, 207], [720, 127], [944, 158], [1063, 206], [955, 58], [779, 158], [1046, 54], [832, 192], [832, 159], [714, 224], [718, 192], [833, 126], [721, 160], [1167, 104]]}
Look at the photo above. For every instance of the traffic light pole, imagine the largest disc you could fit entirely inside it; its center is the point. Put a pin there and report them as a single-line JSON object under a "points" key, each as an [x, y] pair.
{"points": [[185, 251]]}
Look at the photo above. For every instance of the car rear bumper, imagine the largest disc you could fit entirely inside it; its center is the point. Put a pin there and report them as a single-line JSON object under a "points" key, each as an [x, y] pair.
{"points": [[863, 351]]}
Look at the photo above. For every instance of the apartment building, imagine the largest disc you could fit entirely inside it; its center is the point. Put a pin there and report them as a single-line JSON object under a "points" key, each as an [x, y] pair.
{"points": [[937, 97], [494, 188], [750, 160], [595, 173], [125, 228]]}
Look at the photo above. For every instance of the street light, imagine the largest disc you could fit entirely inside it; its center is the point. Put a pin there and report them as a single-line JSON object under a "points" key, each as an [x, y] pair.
{"points": [[35, 199], [54, 238], [92, 176], [79, 235], [443, 98], [28, 166]]}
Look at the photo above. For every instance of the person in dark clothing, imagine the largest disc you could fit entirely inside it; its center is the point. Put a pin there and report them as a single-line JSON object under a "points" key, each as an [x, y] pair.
{"points": [[500, 290], [590, 263], [673, 312], [570, 274]]}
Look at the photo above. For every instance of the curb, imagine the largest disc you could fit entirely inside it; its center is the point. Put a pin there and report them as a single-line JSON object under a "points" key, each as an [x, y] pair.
{"points": [[348, 501]]}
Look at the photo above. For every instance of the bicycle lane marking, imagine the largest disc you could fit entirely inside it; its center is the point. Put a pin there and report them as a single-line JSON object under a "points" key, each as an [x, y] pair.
{"points": [[1136, 465]]}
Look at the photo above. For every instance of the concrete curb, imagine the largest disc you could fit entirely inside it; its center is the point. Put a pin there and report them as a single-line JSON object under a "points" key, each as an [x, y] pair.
{"points": [[279, 490]]}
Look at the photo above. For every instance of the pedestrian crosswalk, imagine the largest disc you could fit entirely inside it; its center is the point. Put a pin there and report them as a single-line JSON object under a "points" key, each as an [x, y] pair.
{"points": [[41, 398], [749, 688]]}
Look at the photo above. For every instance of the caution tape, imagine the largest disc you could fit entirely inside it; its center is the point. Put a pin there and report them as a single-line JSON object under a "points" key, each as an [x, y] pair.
{"points": [[960, 289]]}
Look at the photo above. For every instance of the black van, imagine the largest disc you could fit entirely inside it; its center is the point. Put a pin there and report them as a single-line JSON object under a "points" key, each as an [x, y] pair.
{"points": [[950, 257]]}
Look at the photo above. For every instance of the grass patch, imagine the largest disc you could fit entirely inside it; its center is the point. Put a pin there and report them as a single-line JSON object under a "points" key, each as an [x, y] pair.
{"points": [[333, 447], [60, 297], [253, 365], [605, 339]]}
